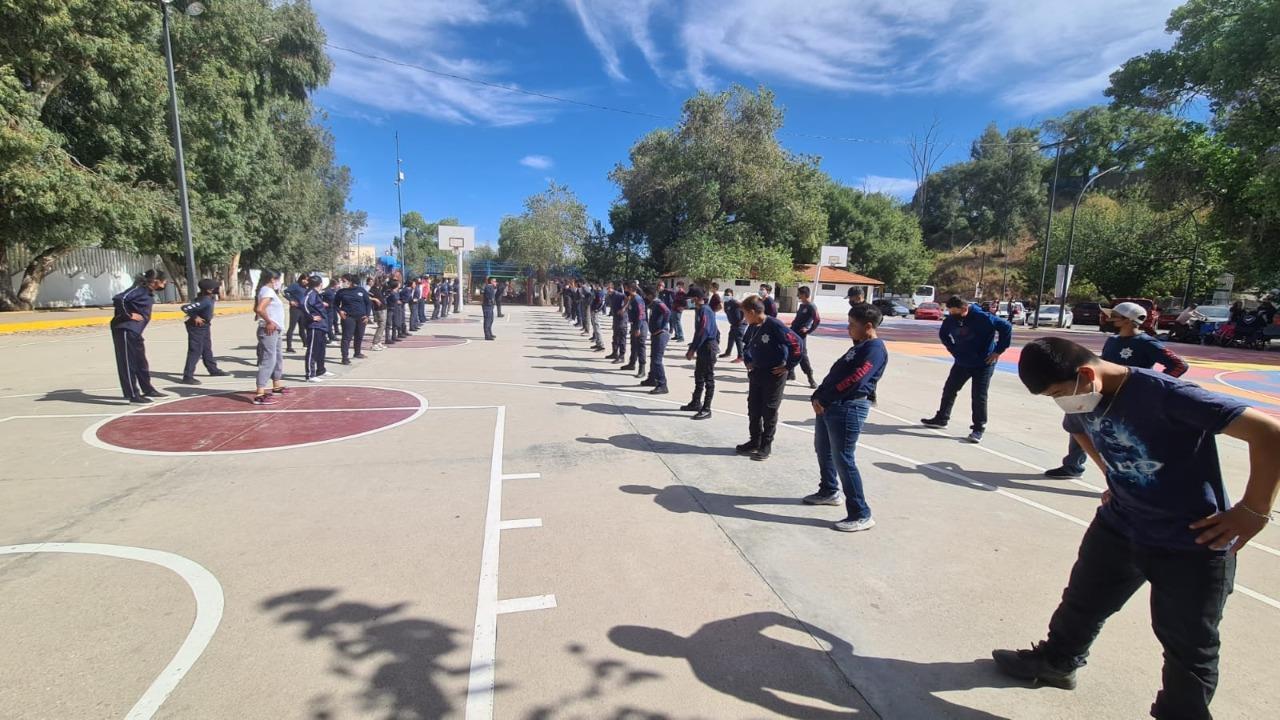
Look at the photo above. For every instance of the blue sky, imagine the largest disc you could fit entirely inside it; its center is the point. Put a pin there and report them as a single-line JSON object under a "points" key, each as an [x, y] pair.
{"points": [[869, 69]]}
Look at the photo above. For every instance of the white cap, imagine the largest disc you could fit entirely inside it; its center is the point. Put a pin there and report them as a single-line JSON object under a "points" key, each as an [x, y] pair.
{"points": [[1131, 310]]}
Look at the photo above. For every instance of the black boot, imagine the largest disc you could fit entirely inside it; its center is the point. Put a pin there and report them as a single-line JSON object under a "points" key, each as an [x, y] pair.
{"points": [[696, 403], [640, 371], [747, 447], [813, 385], [762, 453]]}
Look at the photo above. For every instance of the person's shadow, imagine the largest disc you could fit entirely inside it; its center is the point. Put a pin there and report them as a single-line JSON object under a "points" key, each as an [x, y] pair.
{"points": [[640, 443], [736, 657], [952, 474], [686, 498]]}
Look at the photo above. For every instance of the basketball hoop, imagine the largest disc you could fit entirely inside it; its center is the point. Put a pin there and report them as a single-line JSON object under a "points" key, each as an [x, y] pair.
{"points": [[457, 243]]}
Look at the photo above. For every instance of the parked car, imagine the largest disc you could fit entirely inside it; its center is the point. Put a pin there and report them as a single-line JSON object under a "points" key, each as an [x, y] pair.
{"points": [[1048, 316], [891, 308], [929, 311], [1019, 316], [1153, 315], [1087, 313]]}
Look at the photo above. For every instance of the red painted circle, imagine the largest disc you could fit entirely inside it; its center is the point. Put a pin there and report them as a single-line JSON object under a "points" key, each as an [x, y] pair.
{"points": [[429, 341], [230, 422]]}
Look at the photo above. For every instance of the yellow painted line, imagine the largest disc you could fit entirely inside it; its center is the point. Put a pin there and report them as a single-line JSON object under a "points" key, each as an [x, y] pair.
{"points": [[35, 325]]}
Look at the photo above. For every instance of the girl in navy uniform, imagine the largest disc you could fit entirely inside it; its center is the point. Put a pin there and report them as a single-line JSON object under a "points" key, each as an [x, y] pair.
{"points": [[771, 350], [395, 312], [316, 317], [766, 297], [199, 340], [132, 313]]}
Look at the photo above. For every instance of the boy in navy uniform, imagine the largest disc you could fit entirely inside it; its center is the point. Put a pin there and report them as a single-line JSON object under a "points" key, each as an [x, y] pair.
{"points": [[976, 339], [803, 324], [840, 407], [489, 295], [737, 326], [659, 321], [705, 346], [329, 296], [597, 304], [405, 314], [678, 300], [132, 314], [766, 297], [621, 330], [395, 311], [293, 295], [199, 314], [315, 316], [636, 317], [435, 299], [413, 293], [353, 308], [770, 351], [502, 292], [1165, 518]]}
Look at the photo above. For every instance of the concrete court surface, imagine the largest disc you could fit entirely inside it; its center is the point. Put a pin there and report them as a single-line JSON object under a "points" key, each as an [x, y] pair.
{"points": [[546, 540]]}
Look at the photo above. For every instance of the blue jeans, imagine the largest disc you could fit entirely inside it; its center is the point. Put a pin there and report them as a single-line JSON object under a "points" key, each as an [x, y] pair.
{"points": [[835, 438], [1076, 456], [981, 377], [676, 328]]}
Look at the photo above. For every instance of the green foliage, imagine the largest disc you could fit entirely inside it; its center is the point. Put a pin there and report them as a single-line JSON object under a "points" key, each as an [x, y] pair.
{"points": [[423, 240], [882, 235], [1106, 136], [548, 234], [616, 255], [720, 177]]}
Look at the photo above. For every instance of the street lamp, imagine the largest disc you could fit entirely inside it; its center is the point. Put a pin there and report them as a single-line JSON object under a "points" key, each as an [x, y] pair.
{"points": [[191, 9], [1048, 230], [1071, 238], [404, 246]]}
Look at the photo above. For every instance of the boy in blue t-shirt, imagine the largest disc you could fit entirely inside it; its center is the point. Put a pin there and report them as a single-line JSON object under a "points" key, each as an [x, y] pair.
{"points": [[1164, 519], [840, 405], [1129, 346]]}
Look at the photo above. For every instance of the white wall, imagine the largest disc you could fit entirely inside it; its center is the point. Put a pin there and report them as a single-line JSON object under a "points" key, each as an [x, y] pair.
{"points": [[90, 276]]}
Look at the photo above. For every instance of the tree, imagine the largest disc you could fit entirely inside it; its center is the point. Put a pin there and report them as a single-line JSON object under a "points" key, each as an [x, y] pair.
{"points": [[924, 148], [883, 237], [548, 235], [1224, 53], [616, 255], [423, 240], [1106, 136], [720, 176]]}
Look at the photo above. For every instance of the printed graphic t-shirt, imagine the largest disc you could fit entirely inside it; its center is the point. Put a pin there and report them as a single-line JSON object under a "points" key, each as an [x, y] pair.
{"points": [[1156, 438]]}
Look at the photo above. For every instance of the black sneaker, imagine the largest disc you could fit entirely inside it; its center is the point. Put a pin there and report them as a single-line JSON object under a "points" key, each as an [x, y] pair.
{"points": [[813, 385], [1063, 473], [690, 407], [154, 394], [1034, 666], [762, 453], [659, 390], [627, 367], [703, 414], [140, 400], [934, 422], [746, 448], [648, 383], [219, 373], [189, 381]]}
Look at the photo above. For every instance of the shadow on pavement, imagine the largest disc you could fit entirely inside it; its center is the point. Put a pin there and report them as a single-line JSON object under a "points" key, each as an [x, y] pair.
{"points": [[736, 657], [640, 443], [610, 409], [82, 397], [408, 652], [1007, 481], [687, 498]]}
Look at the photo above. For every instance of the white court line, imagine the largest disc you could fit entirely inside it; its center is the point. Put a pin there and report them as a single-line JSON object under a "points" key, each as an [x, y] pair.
{"points": [[1269, 398], [484, 642], [519, 524], [916, 463], [132, 413], [522, 476], [525, 604], [209, 602]]}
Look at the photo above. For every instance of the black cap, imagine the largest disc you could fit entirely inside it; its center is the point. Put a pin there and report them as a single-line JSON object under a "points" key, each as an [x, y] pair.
{"points": [[208, 285], [695, 292], [853, 291]]}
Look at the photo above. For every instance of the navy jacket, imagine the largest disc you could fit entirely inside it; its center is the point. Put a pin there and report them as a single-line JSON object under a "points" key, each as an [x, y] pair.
{"points": [[391, 298], [769, 345], [806, 320], [201, 307], [972, 338], [313, 306], [855, 374], [490, 295], [705, 329], [659, 317], [733, 311], [770, 306], [597, 300], [354, 301], [635, 310], [137, 299], [329, 295], [294, 294], [1143, 351], [616, 301]]}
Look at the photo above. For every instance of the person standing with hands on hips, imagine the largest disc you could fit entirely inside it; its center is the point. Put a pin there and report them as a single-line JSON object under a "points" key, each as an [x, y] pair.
{"points": [[705, 346], [805, 322], [132, 315], [199, 314], [658, 327], [976, 339], [771, 350], [636, 317], [490, 299], [315, 315], [270, 312], [353, 310]]}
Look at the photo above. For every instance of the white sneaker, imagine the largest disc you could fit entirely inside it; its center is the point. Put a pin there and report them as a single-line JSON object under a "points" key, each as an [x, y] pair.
{"points": [[379, 347], [820, 499], [855, 525], [316, 379], [329, 374]]}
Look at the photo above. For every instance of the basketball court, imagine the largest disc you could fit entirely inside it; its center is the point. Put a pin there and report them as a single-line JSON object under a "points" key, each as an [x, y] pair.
{"points": [[514, 529]]}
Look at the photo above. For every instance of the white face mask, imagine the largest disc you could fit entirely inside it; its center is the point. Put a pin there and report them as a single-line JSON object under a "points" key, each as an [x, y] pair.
{"points": [[1082, 403]]}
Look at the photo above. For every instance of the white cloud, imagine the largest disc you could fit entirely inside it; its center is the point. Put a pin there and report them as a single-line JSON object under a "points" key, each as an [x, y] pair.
{"points": [[902, 188], [537, 162], [1034, 54]]}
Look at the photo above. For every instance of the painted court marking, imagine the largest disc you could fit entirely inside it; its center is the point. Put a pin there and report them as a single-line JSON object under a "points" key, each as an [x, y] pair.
{"points": [[209, 603], [521, 523], [522, 476], [525, 604]]}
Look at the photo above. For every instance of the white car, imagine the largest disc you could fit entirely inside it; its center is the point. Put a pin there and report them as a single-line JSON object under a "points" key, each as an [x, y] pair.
{"points": [[1019, 312], [1047, 316]]}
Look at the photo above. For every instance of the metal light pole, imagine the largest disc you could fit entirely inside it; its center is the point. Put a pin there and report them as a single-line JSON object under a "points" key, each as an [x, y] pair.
{"points": [[1048, 230], [359, 264], [192, 9], [404, 245], [1071, 239]]}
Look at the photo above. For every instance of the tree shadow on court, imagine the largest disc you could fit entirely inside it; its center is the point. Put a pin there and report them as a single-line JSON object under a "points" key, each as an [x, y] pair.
{"points": [[581, 385], [688, 498], [640, 443], [611, 409], [407, 653], [1007, 481], [604, 676], [736, 657]]}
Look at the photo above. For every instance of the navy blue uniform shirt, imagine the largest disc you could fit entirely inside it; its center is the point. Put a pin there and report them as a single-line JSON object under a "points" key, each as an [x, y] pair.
{"points": [[137, 299], [770, 344], [294, 294], [970, 339], [490, 295], [1143, 351], [806, 320], [312, 307], [201, 307], [704, 328], [635, 310], [354, 301], [733, 311], [659, 317], [855, 374], [770, 307]]}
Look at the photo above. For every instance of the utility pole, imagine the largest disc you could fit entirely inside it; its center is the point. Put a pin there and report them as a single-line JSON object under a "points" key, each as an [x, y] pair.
{"points": [[1048, 229], [404, 245], [179, 162], [1071, 239]]}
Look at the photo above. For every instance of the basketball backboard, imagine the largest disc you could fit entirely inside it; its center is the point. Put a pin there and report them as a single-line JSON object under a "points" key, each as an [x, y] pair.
{"points": [[452, 237], [834, 256]]}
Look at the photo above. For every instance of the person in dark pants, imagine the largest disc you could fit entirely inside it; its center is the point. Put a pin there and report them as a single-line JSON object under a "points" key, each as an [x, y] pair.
{"points": [[328, 295], [805, 322], [293, 295], [621, 329], [678, 300], [597, 303], [199, 314], [770, 350], [733, 313], [435, 298], [1131, 347], [132, 314], [705, 346], [407, 319], [658, 324], [854, 296], [976, 339], [315, 315], [353, 310], [395, 310], [502, 292], [488, 302], [636, 318], [424, 289], [1165, 518], [766, 297], [840, 408]]}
